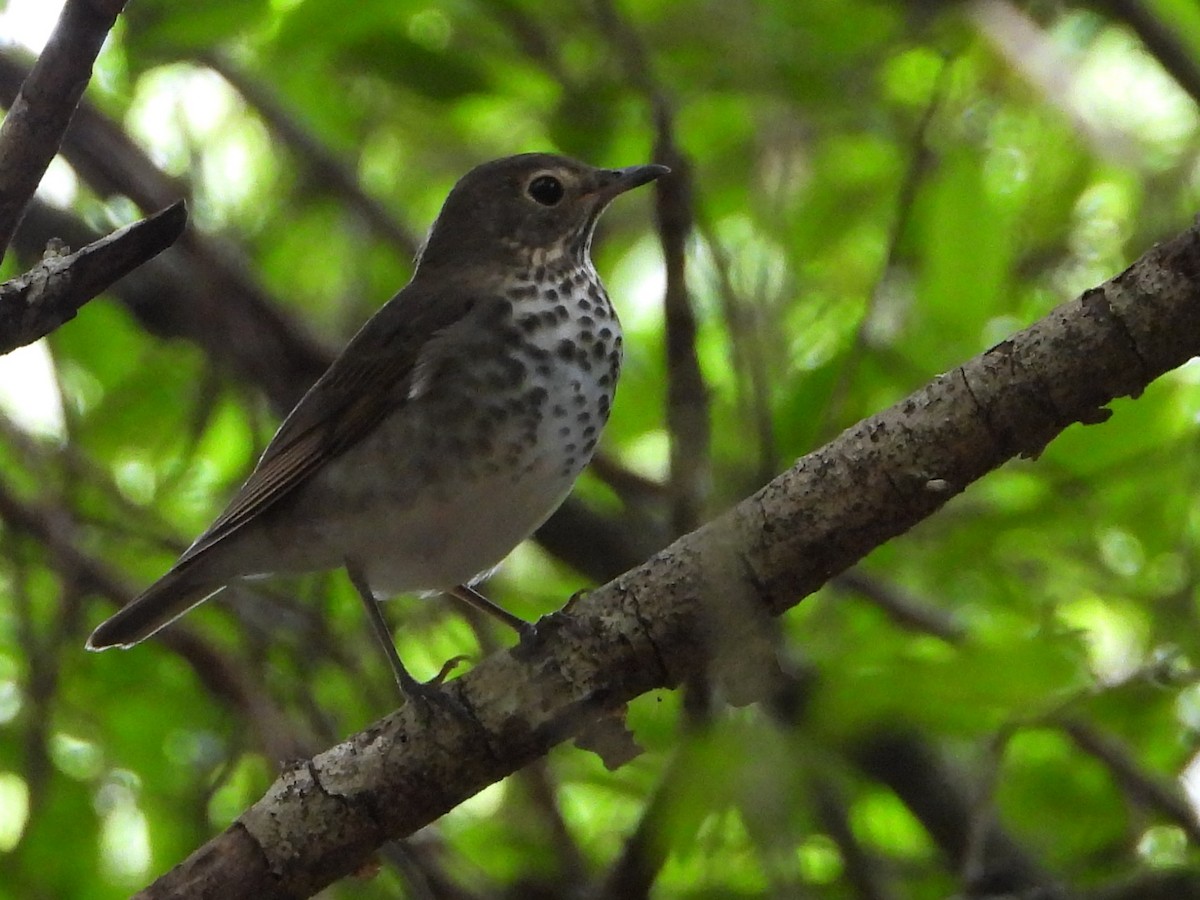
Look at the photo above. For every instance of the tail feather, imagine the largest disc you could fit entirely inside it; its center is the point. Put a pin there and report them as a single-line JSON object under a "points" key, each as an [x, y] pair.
{"points": [[155, 608]]}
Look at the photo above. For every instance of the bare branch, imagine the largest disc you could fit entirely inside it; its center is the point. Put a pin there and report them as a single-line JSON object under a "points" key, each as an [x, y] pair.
{"points": [[176, 295], [905, 610], [98, 148], [52, 292], [218, 283], [1153, 884], [863, 869], [38, 117], [991, 861]]}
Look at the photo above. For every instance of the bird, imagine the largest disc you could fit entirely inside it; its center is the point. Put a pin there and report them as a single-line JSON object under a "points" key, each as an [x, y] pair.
{"points": [[450, 427]]}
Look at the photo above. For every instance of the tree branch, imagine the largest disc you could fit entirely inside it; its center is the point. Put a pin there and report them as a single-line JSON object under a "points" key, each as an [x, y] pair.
{"points": [[38, 117], [176, 295], [51, 293], [645, 630], [220, 295]]}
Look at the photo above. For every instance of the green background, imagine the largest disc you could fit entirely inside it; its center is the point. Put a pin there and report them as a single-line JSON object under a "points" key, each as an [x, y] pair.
{"points": [[882, 190]]}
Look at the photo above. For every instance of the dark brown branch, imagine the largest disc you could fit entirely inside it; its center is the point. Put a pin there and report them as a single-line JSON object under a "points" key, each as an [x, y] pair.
{"points": [[599, 546], [1158, 884], [98, 149], [863, 870], [645, 629], [646, 849], [218, 284], [527, 32], [38, 116], [52, 292], [687, 393], [572, 865]]}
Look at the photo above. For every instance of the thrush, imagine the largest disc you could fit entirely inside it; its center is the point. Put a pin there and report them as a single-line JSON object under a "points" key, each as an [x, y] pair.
{"points": [[451, 426]]}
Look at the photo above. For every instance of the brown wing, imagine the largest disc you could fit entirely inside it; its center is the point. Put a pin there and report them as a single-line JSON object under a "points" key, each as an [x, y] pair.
{"points": [[372, 377]]}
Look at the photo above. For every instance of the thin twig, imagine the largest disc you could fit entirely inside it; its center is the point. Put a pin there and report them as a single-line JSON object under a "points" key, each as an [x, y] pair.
{"points": [[529, 37], [744, 322], [918, 159], [572, 864], [862, 869]]}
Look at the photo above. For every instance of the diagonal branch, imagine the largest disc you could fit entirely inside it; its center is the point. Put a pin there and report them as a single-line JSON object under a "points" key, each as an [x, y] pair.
{"points": [[178, 295], [645, 630], [38, 117], [51, 293], [218, 283]]}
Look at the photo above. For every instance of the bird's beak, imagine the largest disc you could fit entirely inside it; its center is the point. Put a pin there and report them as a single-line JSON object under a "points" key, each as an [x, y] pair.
{"points": [[611, 182]]}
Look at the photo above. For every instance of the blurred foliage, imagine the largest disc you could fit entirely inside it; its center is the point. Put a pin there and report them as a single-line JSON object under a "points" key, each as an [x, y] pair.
{"points": [[883, 190]]}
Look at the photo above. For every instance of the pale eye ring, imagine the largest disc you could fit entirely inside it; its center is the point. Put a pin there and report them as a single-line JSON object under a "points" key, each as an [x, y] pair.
{"points": [[546, 190]]}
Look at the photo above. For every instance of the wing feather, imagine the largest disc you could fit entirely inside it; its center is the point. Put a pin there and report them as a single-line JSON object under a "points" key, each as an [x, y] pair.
{"points": [[369, 380]]}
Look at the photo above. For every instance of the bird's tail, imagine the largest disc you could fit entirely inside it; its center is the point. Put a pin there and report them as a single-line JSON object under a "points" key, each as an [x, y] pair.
{"points": [[156, 607]]}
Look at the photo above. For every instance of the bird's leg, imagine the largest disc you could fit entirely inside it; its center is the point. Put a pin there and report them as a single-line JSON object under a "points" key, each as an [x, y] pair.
{"points": [[410, 688], [472, 597]]}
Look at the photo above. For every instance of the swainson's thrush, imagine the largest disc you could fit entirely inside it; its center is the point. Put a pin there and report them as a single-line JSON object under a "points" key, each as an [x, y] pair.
{"points": [[454, 422]]}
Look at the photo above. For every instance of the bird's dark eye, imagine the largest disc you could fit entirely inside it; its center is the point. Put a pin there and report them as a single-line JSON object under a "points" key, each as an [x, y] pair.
{"points": [[546, 190]]}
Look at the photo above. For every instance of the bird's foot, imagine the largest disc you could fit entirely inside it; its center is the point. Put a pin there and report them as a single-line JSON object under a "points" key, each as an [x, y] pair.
{"points": [[427, 696]]}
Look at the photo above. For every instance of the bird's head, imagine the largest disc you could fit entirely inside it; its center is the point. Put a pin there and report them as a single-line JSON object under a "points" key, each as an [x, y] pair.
{"points": [[536, 206]]}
